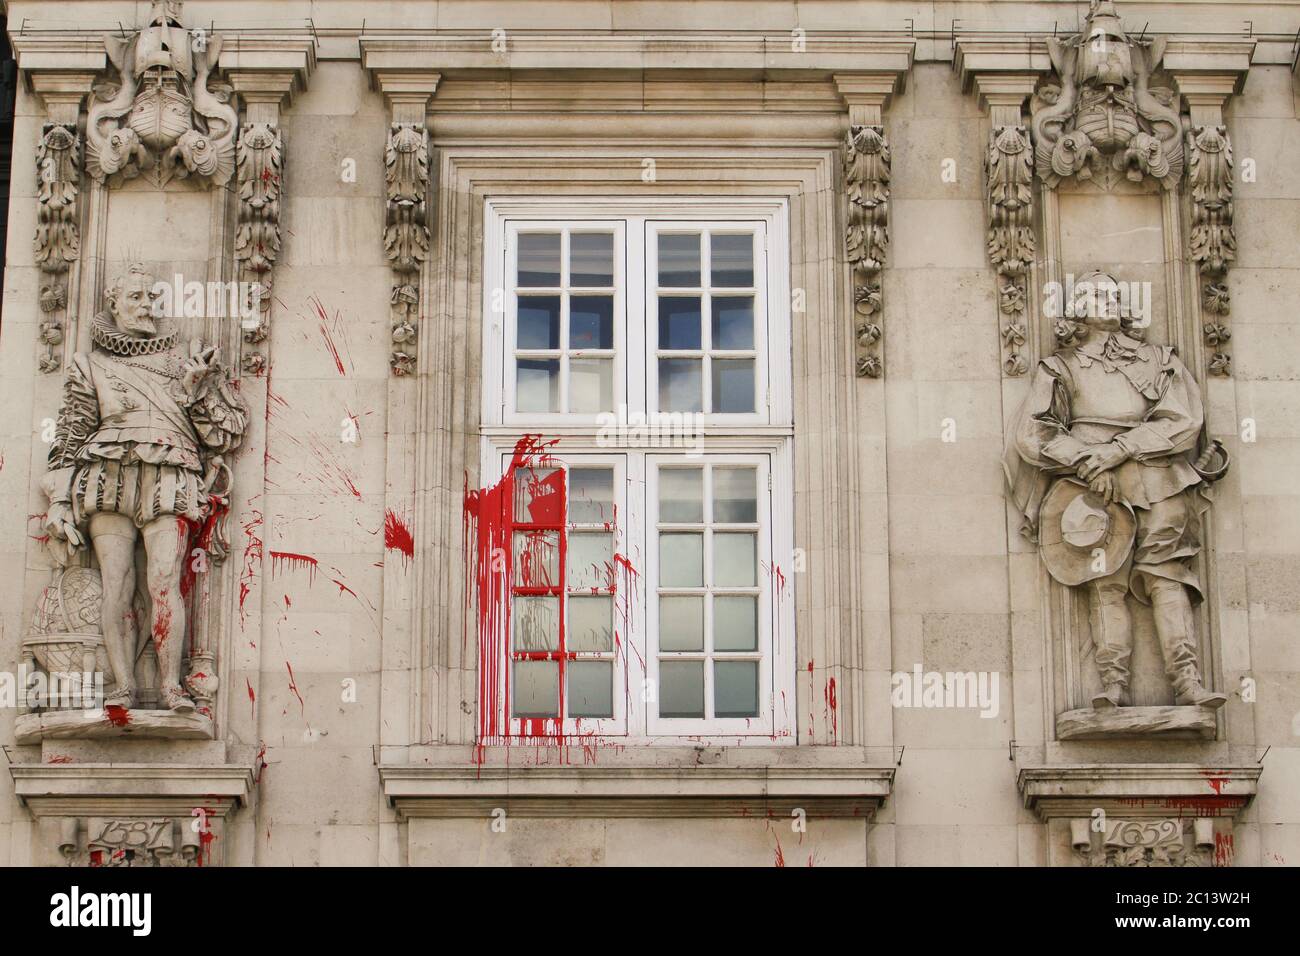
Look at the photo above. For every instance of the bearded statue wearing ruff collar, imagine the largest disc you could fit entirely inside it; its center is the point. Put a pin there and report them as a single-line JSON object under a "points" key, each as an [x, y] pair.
{"points": [[137, 454]]}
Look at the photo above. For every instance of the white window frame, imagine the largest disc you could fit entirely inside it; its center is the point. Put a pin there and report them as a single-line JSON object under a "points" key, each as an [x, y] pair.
{"points": [[765, 437]]}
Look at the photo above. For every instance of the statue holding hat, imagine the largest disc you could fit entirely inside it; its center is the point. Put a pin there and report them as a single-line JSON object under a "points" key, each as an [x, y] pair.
{"points": [[1102, 461]]}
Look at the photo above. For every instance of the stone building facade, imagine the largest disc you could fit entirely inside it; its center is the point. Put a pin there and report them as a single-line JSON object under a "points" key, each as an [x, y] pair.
{"points": [[606, 432]]}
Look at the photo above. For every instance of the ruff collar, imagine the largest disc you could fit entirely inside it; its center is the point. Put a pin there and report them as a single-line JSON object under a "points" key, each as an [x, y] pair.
{"points": [[117, 342]]}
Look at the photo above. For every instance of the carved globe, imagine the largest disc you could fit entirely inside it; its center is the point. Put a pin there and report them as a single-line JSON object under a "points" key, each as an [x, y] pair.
{"points": [[1109, 127], [67, 625]]}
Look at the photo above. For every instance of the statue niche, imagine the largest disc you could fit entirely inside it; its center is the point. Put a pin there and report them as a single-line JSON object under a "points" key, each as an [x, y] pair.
{"points": [[138, 479], [1108, 465]]}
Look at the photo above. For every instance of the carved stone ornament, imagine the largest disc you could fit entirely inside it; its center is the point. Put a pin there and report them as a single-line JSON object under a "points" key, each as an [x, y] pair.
{"points": [[866, 184], [406, 233], [160, 117], [1213, 244], [260, 159], [138, 461], [1101, 118], [57, 242], [1009, 173], [1108, 464], [134, 841], [1145, 843]]}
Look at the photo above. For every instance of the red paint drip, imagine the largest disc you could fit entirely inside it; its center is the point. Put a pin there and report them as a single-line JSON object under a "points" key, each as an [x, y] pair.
{"points": [[1223, 849], [397, 536], [293, 686], [293, 562], [831, 705], [117, 716], [252, 698]]}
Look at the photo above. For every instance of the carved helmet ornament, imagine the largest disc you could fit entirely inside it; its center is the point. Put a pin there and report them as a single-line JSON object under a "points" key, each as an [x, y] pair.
{"points": [[159, 117], [1104, 118]]}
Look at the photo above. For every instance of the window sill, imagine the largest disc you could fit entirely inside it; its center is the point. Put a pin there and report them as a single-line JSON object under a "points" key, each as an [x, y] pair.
{"points": [[826, 783]]}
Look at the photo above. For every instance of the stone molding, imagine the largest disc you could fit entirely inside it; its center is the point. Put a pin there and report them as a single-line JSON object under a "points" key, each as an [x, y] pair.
{"points": [[468, 790], [1139, 790]]}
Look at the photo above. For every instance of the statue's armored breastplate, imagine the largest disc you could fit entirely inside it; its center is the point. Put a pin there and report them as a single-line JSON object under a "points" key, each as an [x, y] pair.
{"points": [[1103, 396], [139, 399]]}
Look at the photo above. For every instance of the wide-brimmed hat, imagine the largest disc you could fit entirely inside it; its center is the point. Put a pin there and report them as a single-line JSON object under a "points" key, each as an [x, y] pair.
{"points": [[1073, 524]]}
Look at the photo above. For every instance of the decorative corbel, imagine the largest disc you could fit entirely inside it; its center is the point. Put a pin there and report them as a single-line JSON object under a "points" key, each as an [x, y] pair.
{"points": [[866, 190], [59, 163], [266, 74], [1212, 242], [408, 208], [1009, 181]]}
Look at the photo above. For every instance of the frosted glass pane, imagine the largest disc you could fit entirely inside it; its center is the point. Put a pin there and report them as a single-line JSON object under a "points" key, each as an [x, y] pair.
{"points": [[591, 385], [590, 560], [536, 690], [681, 560], [681, 688], [734, 560], [591, 495], [681, 495], [735, 495], [681, 623], [537, 385], [537, 559], [590, 625], [735, 623], [735, 689], [591, 689], [536, 623], [681, 385]]}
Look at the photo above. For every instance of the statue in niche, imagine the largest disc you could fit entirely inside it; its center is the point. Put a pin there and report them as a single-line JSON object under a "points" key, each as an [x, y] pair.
{"points": [[161, 117], [139, 456], [1101, 462], [1104, 118]]}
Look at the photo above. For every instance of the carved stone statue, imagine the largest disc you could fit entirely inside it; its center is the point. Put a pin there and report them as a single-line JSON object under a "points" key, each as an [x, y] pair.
{"points": [[160, 116], [1101, 463], [138, 455]]}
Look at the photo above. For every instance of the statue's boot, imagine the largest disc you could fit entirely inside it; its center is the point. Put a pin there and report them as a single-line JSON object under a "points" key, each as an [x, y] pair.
{"points": [[1174, 626], [175, 700], [124, 698], [1112, 637]]}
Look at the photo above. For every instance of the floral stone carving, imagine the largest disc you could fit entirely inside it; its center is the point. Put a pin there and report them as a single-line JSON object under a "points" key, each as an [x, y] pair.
{"points": [[866, 183], [406, 234]]}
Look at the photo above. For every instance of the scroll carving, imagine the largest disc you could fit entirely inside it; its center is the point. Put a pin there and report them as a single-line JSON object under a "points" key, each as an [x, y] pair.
{"points": [[257, 241], [1104, 119], [161, 116], [406, 234], [57, 242], [134, 842], [866, 183], [1146, 843], [1213, 244], [1009, 172]]}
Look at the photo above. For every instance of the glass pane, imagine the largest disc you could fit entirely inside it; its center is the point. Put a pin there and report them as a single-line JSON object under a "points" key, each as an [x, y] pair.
{"points": [[536, 689], [591, 259], [733, 385], [591, 322], [539, 259], [591, 689], [591, 495], [539, 496], [681, 688], [679, 260], [735, 623], [537, 385], [536, 623], [681, 382], [537, 559], [590, 561], [681, 623], [733, 322], [590, 626], [734, 559], [539, 322], [731, 260], [681, 560], [591, 385], [681, 495], [735, 495], [679, 322], [735, 689]]}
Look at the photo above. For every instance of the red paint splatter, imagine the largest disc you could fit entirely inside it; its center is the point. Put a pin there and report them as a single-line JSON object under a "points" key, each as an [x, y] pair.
{"points": [[329, 339], [58, 758], [252, 698], [1216, 782], [1223, 849], [780, 857], [397, 536], [293, 686], [293, 562], [832, 708], [261, 764], [117, 716]]}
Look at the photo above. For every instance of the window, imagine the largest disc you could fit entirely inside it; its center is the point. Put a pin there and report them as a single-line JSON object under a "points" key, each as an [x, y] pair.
{"points": [[637, 415]]}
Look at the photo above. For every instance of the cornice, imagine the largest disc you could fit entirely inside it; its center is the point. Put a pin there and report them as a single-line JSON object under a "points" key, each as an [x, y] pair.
{"points": [[1138, 790], [81, 788]]}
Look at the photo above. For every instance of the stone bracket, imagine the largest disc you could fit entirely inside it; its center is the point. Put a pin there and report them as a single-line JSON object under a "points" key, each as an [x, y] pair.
{"points": [[1144, 791]]}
